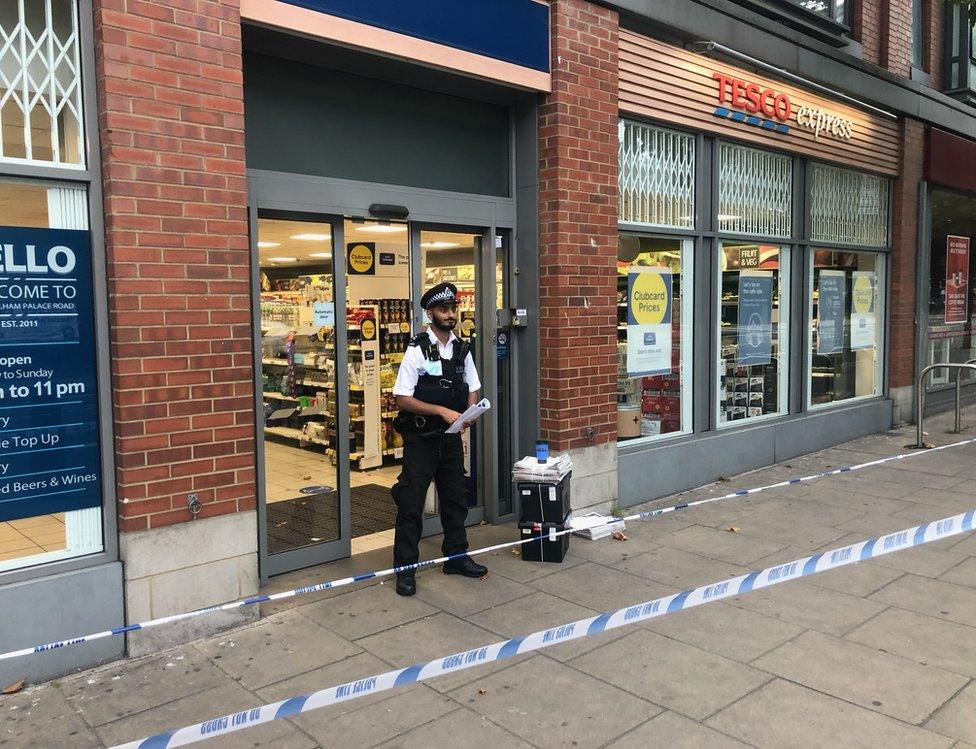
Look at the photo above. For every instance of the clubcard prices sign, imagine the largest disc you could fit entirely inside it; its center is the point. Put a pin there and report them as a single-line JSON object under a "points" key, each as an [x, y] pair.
{"points": [[863, 319], [649, 320]]}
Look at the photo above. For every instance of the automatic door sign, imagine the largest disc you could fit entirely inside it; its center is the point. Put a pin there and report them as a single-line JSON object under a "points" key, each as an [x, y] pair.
{"points": [[957, 278], [831, 301], [755, 313], [863, 325], [649, 308], [49, 437], [323, 314]]}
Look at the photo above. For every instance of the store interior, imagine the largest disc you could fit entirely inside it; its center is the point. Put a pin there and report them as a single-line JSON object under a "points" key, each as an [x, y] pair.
{"points": [[298, 366], [649, 405]]}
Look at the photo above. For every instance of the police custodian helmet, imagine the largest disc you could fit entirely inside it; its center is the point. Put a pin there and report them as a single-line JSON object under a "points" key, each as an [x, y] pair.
{"points": [[443, 293]]}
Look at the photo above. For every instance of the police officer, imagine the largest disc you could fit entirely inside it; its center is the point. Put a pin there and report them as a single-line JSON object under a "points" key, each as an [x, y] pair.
{"points": [[437, 381]]}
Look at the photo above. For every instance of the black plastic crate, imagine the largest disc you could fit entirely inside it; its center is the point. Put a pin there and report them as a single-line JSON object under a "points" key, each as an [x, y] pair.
{"points": [[543, 550], [543, 502]]}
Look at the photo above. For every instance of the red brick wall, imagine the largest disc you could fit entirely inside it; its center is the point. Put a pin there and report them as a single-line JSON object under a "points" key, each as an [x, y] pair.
{"points": [[171, 121], [884, 30], [934, 53], [578, 228], [866, 27], [896, 36], [904, 239]]}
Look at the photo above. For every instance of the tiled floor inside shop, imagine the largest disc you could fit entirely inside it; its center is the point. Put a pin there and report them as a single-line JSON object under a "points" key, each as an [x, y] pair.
{"points": [[30, 536], [289, 469]]}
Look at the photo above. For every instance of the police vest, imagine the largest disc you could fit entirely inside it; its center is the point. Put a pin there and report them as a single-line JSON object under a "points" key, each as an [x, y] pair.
{"points": [[448, 390]]}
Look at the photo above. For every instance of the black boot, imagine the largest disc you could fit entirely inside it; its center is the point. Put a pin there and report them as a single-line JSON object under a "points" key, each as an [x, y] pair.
{"points": [[465, 566], [406, 584]]}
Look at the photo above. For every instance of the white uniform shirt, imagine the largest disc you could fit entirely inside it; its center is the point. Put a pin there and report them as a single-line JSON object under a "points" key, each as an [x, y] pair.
{"points": [[413, 366]]}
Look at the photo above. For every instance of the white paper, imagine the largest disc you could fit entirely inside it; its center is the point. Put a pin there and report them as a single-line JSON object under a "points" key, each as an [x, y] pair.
{"points": [[594, 526], [471, 414]]}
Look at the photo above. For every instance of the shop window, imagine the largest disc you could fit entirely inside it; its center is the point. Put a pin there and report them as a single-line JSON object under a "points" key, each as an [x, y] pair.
{"points": [[846, 325], [918, 34], [656, 176], [654, 336], [753, 339], [835, 10], [40, 83], [960, 53], [755, 192], [46, 537], [848, 207], [952, 296]]}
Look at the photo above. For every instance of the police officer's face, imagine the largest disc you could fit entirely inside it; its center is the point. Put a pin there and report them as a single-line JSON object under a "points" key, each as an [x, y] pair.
{"points": [[444, 316]]}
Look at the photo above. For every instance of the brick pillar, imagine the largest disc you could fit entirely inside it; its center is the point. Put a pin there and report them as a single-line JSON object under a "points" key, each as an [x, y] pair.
{"points": [[896, 36], [904, 267], [578, 242], [866, 21], [171, 121], [935, 49]]}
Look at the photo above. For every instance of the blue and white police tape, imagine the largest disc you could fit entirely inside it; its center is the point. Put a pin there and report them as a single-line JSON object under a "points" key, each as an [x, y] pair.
{"points": [[792, 482], [781, 573], [332, 584]]}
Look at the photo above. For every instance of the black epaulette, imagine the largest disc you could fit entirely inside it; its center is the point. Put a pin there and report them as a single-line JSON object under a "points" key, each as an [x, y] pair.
{"points": [[427, 346]]}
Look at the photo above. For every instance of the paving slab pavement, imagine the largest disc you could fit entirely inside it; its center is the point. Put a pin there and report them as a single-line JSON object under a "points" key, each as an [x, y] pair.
{"points": [[875, 654]]}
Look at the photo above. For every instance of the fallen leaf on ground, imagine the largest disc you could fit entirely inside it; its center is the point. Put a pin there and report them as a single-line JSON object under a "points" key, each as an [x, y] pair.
{"points": [[482, 692], [306, 478], [732, 529], [515, 552], [619, 536], [14, 688]]}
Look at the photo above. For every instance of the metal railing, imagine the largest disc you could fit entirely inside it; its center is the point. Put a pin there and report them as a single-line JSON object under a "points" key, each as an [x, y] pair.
{"points": [[920, 397]]}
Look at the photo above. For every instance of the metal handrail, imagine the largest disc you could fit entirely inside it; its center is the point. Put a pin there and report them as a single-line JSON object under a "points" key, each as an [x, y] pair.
{"points": [[959, 398], [920, 397]]}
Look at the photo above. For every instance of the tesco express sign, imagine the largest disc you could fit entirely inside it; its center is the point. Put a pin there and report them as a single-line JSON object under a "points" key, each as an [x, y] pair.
{"points": [[774, 105]]}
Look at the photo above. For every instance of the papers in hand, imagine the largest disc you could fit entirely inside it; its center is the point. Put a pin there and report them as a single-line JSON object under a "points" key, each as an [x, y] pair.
{"points": [[471, 414]]}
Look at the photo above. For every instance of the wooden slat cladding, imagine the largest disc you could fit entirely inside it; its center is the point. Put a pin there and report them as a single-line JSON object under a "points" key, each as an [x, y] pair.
{"points": [[672, 85]]}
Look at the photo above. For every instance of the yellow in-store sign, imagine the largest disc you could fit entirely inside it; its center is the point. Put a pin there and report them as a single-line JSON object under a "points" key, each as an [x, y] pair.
{"points": [[650, 298], [362, 258], [863, 294], [368, 330]]}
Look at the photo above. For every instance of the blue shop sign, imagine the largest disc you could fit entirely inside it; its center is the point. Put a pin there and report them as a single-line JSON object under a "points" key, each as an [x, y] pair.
{"points": [[50, 459], [755, 323], [516, 31], [831, 307]]}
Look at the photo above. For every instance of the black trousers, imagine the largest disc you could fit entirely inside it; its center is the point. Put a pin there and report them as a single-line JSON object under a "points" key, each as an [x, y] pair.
{"points": [[439, 458]]}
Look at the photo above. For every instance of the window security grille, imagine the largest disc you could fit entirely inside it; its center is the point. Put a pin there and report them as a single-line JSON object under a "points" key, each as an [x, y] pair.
{"points": [[848, 207], [755, 192], [657, 176], [40, 82]]}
